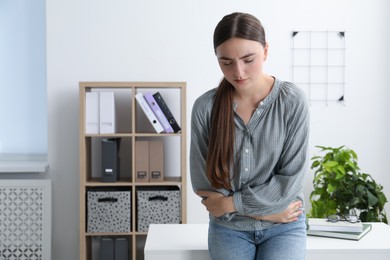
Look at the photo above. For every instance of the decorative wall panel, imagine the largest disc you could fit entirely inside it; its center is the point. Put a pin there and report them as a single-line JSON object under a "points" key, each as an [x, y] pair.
{"points": [[319, 64]]}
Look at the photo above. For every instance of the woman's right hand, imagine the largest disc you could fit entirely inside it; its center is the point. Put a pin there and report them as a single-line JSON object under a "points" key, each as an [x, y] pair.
{"points": [[290, 214]]}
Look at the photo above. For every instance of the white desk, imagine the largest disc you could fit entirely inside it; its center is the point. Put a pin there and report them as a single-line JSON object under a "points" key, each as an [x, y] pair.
{"points": [[189, 242]]}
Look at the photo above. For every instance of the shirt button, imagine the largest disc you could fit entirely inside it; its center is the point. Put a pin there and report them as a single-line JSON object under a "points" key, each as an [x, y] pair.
{"points": [[258, 112], [246, 151], [261, 103], [246, 169]]}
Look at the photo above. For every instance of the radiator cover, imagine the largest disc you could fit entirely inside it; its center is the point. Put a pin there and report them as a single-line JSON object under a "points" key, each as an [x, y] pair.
{"points": [[25, 219]]}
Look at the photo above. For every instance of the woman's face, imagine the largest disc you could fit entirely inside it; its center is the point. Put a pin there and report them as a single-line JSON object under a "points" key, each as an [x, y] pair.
{"points": [[241, 61]]}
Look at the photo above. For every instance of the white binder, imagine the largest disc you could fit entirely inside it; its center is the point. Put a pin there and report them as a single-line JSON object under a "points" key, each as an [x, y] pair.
{"points": [[149, 113], [107, 112], [91, 112]]}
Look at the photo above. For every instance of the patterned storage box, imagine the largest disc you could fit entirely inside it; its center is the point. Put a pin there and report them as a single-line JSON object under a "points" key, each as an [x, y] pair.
{"points": [[108, 211], [158, 207]]}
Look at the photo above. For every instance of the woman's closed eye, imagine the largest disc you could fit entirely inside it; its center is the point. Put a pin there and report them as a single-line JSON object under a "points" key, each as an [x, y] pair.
{"points": [[227, 63]]}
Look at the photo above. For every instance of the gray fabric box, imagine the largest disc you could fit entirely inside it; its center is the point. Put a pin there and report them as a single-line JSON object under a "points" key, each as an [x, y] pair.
{"points": [[109, 211], [158, 207]]}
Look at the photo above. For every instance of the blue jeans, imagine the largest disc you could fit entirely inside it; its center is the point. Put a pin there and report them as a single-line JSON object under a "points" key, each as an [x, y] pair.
{"points": [[284, 242]]}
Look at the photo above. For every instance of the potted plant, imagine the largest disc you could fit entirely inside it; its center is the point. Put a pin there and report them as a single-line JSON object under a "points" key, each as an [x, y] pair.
{"points": [[341, 188]]}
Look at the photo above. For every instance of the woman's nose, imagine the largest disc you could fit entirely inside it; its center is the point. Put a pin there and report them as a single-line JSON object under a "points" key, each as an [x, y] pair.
{"points": [[238, 70]]}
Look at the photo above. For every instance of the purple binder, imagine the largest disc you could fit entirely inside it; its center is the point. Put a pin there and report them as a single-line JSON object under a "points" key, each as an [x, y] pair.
{"points": [[158, 112]]}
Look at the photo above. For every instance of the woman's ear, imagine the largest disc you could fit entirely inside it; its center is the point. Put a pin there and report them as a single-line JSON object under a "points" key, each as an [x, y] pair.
{"points": [[265, 51]]}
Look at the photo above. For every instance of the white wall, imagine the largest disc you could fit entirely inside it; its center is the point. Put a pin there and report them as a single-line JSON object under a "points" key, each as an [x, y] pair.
{"points": [[99, 40]]}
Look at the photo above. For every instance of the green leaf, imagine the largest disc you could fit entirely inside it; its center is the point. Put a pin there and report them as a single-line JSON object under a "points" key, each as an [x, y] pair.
{"points": [[382, 199], [330, 164], [363, 216], [354, 154], [315, 164], [341, 169], [360, 189], [318, 209], [332, 207], [372, 200], [339, 176], [331, 188]]}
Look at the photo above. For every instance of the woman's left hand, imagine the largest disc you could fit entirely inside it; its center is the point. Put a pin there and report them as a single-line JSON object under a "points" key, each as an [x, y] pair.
{"points": [[216, 203], [290, 214]]}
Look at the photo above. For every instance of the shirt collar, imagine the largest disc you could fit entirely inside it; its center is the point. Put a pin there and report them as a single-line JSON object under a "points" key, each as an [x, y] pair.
{"points": [[269, 98]]}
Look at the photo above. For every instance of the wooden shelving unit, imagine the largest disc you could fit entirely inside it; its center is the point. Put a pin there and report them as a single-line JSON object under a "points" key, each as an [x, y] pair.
{"points": [[131, 126]]}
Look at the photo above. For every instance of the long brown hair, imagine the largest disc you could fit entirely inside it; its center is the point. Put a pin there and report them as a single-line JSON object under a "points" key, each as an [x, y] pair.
{"points": [[220, 161]]}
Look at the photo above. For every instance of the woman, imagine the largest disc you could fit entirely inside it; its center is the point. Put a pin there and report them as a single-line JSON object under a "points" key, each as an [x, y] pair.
{"points": [[248, 153]]}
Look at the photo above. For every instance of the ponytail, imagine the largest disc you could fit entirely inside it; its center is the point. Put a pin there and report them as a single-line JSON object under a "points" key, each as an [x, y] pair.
{"points": [[219, 161]]}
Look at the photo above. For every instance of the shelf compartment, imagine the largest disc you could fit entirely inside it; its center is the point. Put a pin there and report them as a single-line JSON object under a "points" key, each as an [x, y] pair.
{"points": [[122, 106], [157, 205], [96, 242], [140, 246], [172, 98], [94, 160], [104, 202]]}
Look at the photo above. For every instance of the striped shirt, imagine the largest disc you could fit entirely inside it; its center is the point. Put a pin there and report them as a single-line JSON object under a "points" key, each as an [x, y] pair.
{"points": [[271, 155]]}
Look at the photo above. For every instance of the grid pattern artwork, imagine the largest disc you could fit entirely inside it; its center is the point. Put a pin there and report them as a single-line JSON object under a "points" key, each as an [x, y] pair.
{"points": [[318, 59], [24, 222]]}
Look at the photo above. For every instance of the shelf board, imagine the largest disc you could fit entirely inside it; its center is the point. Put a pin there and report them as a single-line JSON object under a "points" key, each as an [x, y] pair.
{"points": [[23, 163], [130, 85], [116, 234], [98, 182], [110, 135], [109, 234], [170, 181], [155, 134], [117, 135]]}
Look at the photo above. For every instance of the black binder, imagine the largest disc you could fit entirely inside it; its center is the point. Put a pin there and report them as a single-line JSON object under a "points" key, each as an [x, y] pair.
{"points": [[121, 248], [110, 159], [107, 248], [164, 108]]}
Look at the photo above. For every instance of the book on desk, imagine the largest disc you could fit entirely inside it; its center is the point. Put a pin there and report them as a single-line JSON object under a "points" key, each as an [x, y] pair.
{"points": [[341, 234], [322, 224], [340, 229]]}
